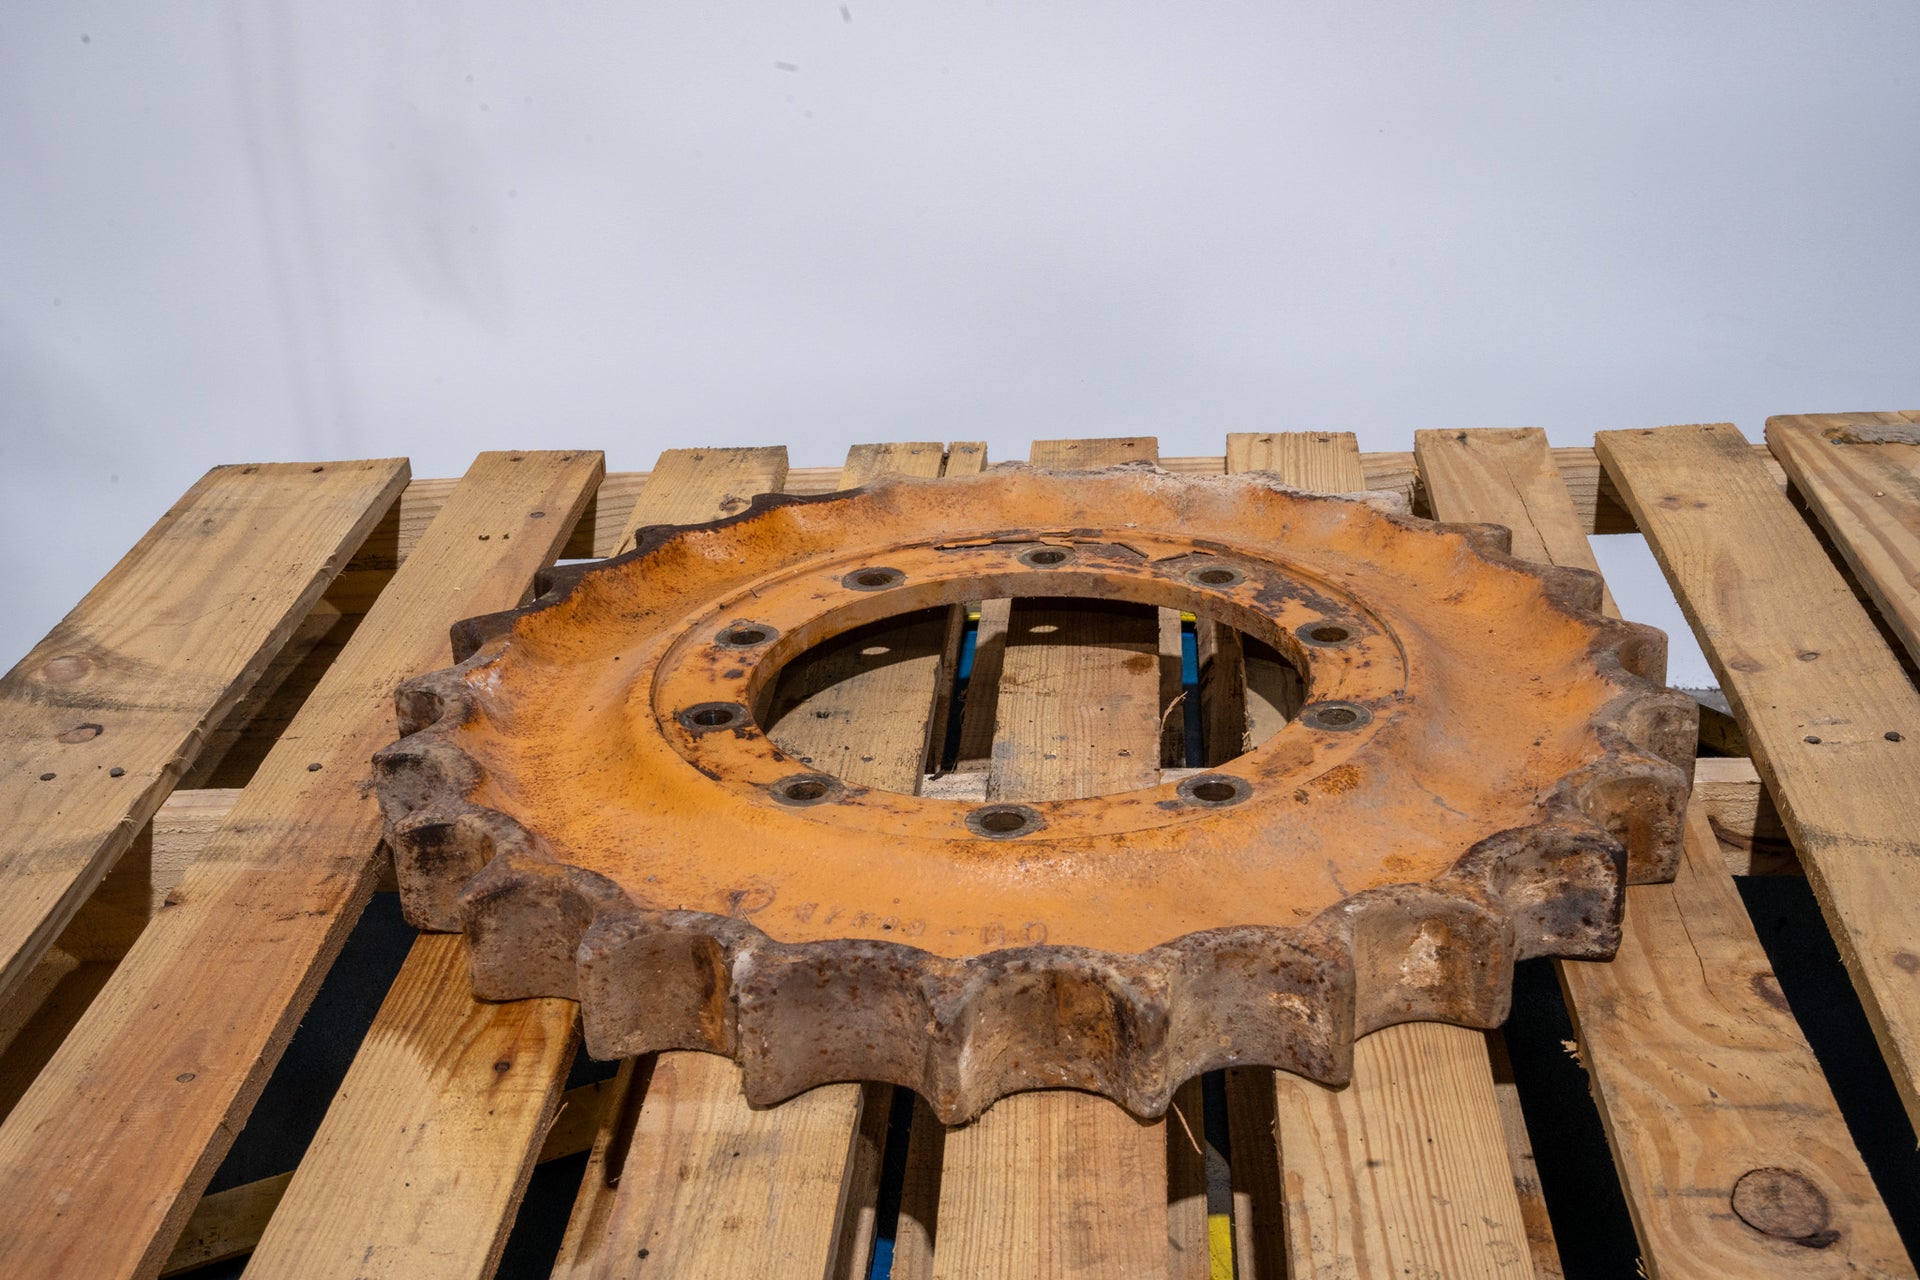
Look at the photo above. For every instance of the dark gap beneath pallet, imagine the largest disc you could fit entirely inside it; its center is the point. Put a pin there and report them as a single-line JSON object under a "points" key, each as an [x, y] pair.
{"points": [[1811, 975], [893, 1176], [587, 1069], [541, 1225], [1192, 739], [957, 709], [1591, 1223], [1218, 1143]]}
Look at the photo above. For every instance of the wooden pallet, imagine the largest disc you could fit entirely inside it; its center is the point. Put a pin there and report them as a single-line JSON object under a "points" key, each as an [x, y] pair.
{"points": [[190, 843]]}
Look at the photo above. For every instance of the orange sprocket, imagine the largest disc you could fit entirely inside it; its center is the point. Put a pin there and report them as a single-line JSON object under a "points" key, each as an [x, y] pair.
{"points": [[1481, 764]]}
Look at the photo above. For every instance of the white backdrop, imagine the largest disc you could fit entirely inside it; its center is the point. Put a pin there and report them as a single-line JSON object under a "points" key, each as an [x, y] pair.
{"points": [[317, 230]]}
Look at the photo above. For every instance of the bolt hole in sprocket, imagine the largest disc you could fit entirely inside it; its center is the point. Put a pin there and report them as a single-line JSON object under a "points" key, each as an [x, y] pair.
{"points": [[1482, 761]]}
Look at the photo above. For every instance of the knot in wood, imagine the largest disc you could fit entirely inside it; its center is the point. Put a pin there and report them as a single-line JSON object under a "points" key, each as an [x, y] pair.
{"points": [[1784, 1204]]}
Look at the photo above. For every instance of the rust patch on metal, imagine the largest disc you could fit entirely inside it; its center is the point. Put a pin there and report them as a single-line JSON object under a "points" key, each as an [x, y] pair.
{"points": [[590, 795]]}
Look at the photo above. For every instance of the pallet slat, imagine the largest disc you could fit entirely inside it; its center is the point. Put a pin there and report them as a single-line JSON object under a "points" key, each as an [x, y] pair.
{"points": [[420, 1162], [1699, 1071], [1703, 1077], [710, 1187], [1404, 1172], [1060, 1183], [229, 1223], [1820, 696], [1324, 461], [131, 1116], [1408, 1165], [1860, 472], [436, 1178], [104, 714]]}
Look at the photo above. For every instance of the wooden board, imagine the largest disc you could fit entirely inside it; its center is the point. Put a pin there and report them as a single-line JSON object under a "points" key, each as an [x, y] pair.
{"points": [[1542, 1245], [1816, 689], [423, 1156], [442, 1177], [1860, 473], [1743, 817], [709, 1186], [1404, 1172], [683, 487], [1376, 1197], [104, 714], [1702, 1075], [693, 1189], [1324, 461], [1506, 477], [131, 1116], [1676, 1029], [1057, 1183]]}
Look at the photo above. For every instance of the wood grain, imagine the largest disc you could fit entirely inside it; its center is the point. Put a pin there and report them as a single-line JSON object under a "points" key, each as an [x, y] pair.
{"points": [[226, 1224], [131, 1116], [711, 1187], [1325, 461], [1821, 697], [403, 1136], [102, 716], [1054, 1184], [1702, 1074], [1405, 1172], [867, 463], [421, 1160], [1743, 818], [593, 1203], [1860, 473], [1542, 1246], [236, 748], [1505, 477], [1189, 1249], [1057, 1183], [1696, 1064], [859, 1212], [682, 487], [860, 707], [1420, 1177]]}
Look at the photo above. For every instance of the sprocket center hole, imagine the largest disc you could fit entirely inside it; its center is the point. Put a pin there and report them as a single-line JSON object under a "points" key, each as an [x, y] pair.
{"points": [[914, 703]]}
